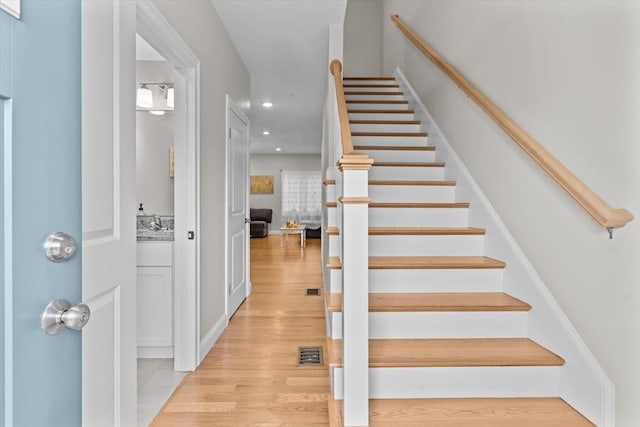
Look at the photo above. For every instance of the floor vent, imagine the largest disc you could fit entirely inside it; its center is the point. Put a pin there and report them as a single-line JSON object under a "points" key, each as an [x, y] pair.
{"points": [[310, 356], [313, 291]]}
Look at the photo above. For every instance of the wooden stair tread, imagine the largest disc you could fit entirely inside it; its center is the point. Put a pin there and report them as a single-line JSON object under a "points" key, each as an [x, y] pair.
{"points": [[410, 164], [332, 231], [433, 262], [425, 231], [376, 101], [424, 262], [454, 205], [384, 122], [465, 412], [331, 204], [394, 147], [348, 85], [453, 352], [346, 93], [333, 262], [416, 231], [392, 134], [381, 111], [329, 182], [435, 302], [409, 182], [368, 78]]}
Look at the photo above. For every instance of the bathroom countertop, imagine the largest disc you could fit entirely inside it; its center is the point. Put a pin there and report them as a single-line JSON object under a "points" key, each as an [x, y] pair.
{"points": [[149, 235]]}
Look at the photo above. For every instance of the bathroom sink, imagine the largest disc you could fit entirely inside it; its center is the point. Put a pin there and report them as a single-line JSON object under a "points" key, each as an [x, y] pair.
{"points": [[154, 227]]}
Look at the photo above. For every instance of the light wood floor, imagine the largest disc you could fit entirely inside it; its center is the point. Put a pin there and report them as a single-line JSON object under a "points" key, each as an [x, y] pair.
{"points": [[250, 377]]}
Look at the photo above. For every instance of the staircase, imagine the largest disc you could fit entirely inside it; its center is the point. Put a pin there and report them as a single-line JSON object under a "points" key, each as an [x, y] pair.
{"points": [[447, 345]]}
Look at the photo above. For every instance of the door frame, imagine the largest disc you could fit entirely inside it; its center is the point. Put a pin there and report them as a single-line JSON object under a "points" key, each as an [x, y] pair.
{"points": [[6, 234], [156, 30], [231, 106], [6, 397]]}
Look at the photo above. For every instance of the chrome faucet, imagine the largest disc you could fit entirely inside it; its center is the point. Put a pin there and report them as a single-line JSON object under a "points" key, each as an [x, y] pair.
{"points": [[156, 223]]}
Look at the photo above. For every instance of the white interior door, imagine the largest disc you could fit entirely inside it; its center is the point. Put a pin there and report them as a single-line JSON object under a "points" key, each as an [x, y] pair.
{"points": [[237, 206], [108, 213]]}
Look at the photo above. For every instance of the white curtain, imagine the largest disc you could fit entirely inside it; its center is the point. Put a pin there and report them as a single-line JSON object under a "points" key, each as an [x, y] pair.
{"points": [[302, 196]]}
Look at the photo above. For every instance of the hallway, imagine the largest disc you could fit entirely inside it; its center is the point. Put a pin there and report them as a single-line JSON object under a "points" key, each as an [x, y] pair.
{"points": [[251, 377]]}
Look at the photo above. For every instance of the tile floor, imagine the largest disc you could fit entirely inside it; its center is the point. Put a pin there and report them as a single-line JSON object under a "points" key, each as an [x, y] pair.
{"points": [[156, 382]]}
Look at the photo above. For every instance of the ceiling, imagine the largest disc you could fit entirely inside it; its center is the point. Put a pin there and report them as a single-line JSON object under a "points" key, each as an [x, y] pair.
{"points": [[144, 51], [284, 45]]}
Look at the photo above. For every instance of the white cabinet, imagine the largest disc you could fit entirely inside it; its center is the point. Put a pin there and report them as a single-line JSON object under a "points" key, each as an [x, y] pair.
{"points": [[155, 299]]}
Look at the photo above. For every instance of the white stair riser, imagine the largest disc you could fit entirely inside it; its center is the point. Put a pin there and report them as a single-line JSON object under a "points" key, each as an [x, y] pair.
{"points": [[426, 245], [381, 96], [416, 173], [334, 330], [412, 193], [330, 192], [380, 116], [419, 325], [428, 280], [406, 383], [327, 318], [348, 81], [335, 281], [334, 245], [400, 156], [436, 280], [390, 87], [384, 127], [376, 106], [332, 217], [418, 217], [410, 141]]}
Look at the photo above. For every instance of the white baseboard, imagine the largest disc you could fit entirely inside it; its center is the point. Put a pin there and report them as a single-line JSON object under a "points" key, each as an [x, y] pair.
{"points": [[206, 344], [159, 352]]}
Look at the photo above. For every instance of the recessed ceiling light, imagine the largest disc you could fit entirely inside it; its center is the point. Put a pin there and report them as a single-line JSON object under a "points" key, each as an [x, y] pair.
{"points": [[266, 132], [278, 149], [157, 112], [267, 104]]}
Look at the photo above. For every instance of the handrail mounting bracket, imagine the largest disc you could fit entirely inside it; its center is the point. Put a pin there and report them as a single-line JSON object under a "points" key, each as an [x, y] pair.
{"points": [[610, 230]]}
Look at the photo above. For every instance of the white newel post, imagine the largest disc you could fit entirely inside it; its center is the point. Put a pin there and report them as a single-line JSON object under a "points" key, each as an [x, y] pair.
{"points": [[355, 291]]}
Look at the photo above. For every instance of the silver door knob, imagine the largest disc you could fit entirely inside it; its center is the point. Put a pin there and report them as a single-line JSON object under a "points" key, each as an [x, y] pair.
{"points": [[60, 315]]}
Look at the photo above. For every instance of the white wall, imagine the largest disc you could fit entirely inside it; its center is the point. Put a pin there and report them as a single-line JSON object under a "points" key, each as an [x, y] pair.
{"points": [[154, 136], [272, 164], [569, 73], [221, 72], [363, 38]]}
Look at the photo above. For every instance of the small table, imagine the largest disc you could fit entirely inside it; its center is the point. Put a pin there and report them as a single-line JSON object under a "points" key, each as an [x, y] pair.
{"points": [[285, 231]]}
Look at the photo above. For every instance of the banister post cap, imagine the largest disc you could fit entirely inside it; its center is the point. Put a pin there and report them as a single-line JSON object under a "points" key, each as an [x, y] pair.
{"points": [[335, 67]]}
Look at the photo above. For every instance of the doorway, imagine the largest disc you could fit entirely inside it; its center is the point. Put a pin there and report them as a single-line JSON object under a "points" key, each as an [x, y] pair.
{"points": [[185, 257], [237, 188]]}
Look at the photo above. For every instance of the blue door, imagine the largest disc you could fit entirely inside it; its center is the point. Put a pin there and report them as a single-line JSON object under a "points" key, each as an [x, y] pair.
{"points": [[40, 174]]}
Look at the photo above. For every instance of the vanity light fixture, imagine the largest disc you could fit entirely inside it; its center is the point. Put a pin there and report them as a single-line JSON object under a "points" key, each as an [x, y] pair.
{"points": [[156, 96], [170, 97], [144, 97], [267, 104]]}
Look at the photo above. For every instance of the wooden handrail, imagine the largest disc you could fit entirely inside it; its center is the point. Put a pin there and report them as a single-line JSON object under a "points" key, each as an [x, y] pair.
{"points": [[347, 144], [591, 202]]}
